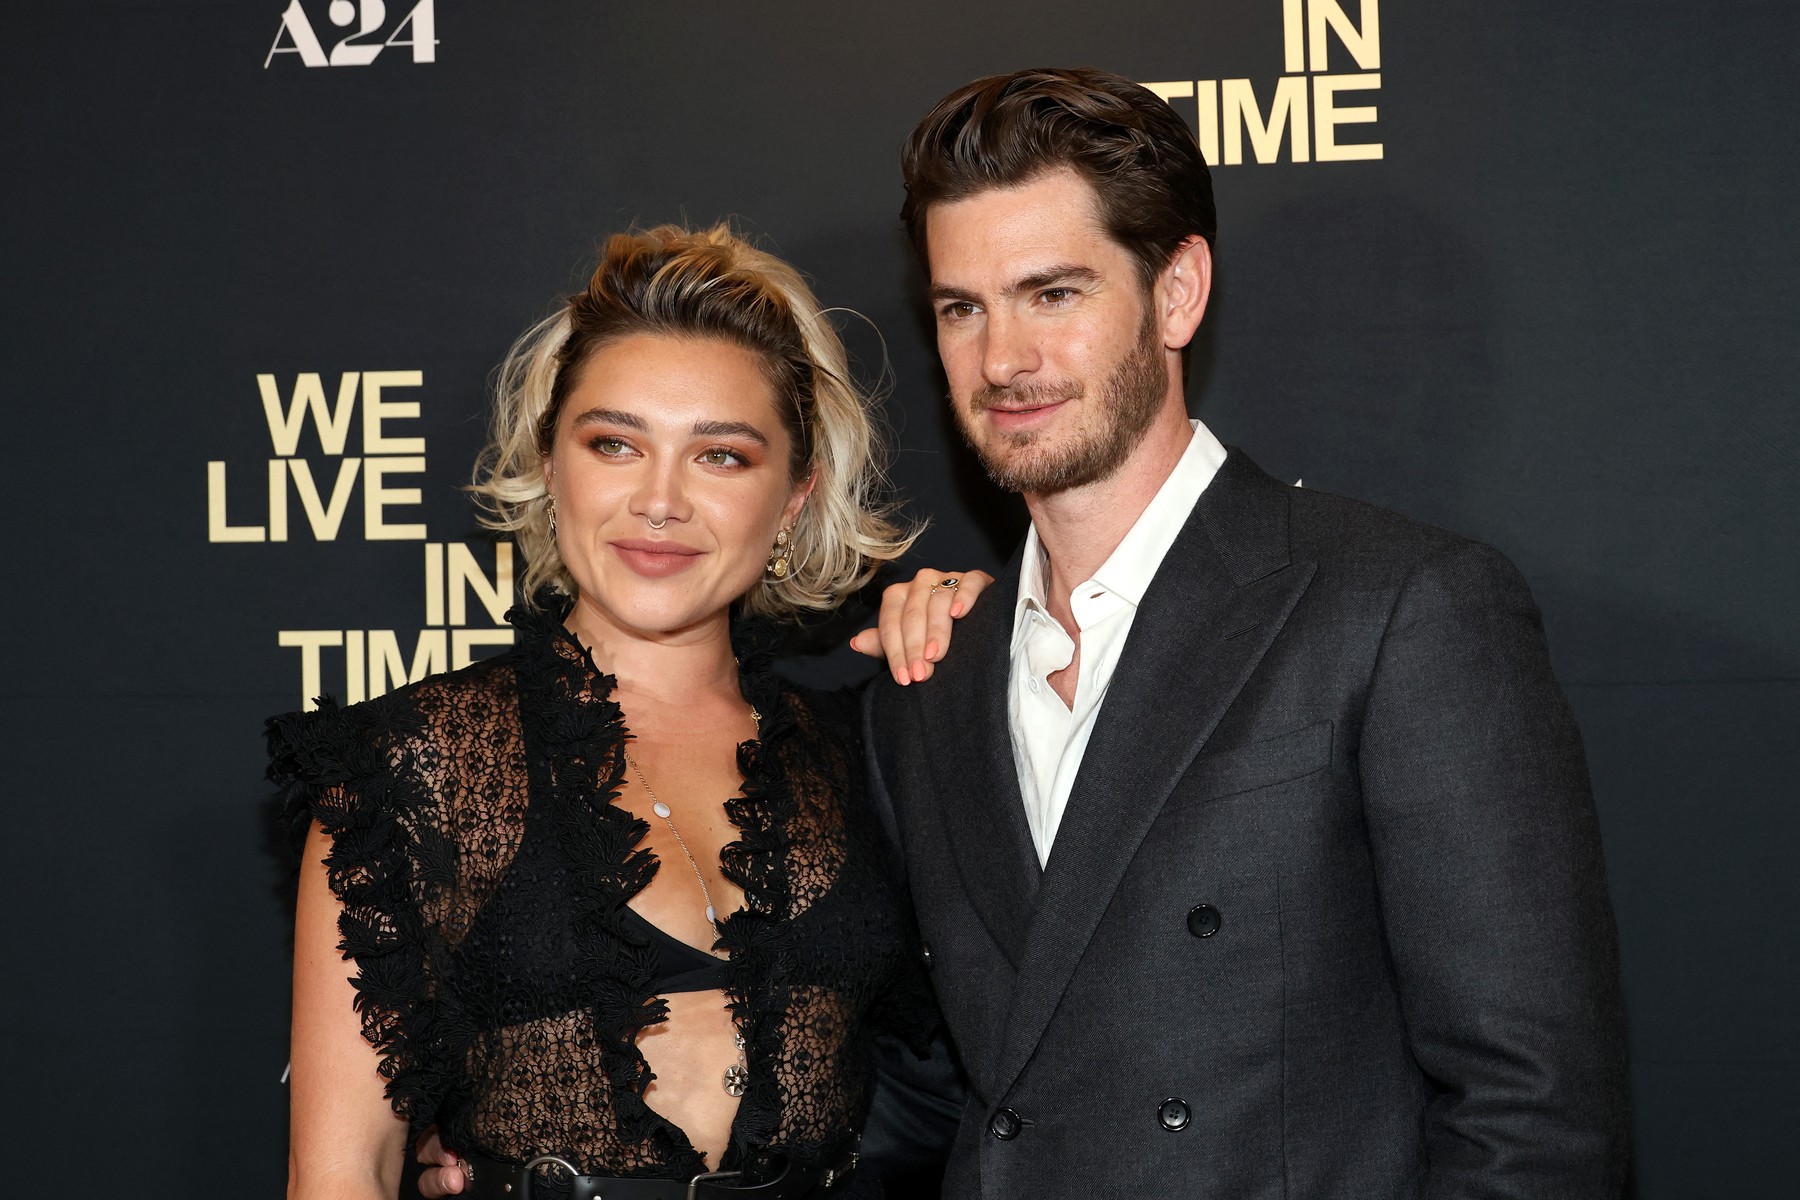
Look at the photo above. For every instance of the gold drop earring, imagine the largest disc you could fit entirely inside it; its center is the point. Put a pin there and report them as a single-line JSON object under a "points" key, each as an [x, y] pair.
{"points": [[781, 557]]}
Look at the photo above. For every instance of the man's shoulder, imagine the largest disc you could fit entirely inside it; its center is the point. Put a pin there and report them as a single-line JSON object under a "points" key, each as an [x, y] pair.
{"points": [[1364, 549], [1344, 534]]}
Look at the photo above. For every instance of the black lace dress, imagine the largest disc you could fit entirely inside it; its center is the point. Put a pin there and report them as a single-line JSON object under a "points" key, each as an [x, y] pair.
{"points": [[484, 872]]}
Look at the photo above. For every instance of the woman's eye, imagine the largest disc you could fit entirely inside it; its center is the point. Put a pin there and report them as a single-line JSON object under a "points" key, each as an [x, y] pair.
{"points": [[609, 446], [718, 456]]}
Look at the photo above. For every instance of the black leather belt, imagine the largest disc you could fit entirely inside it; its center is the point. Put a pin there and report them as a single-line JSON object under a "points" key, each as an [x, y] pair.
{"points": [[548, 1175]]}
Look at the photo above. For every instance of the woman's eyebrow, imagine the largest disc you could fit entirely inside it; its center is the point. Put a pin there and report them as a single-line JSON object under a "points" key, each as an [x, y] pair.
{"points": [[612, 416], [730, 429]]}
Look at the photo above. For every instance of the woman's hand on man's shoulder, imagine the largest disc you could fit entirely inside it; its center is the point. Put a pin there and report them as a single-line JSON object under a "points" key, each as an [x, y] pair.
{"points": [[914, 628]]}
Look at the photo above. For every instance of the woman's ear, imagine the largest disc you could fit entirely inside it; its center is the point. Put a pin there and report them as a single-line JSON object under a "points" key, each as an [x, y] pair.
{"points": [[797, 501], [1182, 292]]}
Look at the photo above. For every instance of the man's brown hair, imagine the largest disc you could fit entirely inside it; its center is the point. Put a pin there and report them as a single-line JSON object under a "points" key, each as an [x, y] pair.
{"points": [[1005, 130]]}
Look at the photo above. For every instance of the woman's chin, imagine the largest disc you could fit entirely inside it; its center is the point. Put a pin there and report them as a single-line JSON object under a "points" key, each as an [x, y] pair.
{"points": [[657, 612]]}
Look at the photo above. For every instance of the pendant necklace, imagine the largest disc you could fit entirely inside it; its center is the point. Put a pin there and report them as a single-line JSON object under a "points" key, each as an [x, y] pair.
{"points": [[737, 1075]]}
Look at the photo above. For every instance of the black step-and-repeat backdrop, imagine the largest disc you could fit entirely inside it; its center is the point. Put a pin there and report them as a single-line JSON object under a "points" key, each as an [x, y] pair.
{"points": [[1525, 270]]}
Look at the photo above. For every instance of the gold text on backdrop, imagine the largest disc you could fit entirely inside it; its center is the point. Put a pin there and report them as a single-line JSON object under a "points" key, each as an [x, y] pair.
{"points": [[365, 406], [1304, 110]]}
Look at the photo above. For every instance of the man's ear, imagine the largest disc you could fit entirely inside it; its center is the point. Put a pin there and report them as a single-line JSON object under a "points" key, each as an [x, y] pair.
{"points": [[1182, 292]]}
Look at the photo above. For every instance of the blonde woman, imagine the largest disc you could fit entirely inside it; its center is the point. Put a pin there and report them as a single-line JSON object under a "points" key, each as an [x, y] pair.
{"points": [[618, 922]]}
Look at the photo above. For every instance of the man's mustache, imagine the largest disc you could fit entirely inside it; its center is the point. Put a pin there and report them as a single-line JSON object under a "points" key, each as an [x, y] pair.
{"points": [[1024, 395]]}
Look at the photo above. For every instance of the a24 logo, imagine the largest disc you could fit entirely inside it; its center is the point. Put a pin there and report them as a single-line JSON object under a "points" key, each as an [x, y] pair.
{"points": [[417, 30]]}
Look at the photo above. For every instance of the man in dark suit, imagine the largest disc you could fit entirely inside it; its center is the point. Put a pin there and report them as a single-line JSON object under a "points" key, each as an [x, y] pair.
{"points": [[1248, 830]]}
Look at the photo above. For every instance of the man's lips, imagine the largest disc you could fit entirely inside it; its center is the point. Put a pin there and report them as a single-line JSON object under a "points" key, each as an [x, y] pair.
{"points": [[1018, 405], [1015, 416], [1035, 406]]}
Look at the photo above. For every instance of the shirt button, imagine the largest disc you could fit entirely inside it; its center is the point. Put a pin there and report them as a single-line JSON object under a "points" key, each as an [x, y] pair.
{"points": [[1032, 683], [1004, 1124], [925, 954], [1172, 1114], [1203, 921]]}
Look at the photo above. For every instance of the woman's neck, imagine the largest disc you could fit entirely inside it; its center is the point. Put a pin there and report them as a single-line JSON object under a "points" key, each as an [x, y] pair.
{"points": [[665, 666]]}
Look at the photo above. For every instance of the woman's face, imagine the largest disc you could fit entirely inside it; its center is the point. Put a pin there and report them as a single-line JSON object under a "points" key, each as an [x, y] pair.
{"points": [[677, 432]]}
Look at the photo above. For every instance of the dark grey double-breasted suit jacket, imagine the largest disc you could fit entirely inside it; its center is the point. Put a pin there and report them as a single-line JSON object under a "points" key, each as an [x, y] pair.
{"points": [[1325, 915]]}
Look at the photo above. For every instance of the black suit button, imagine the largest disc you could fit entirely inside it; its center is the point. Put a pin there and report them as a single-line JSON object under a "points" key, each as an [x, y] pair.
{"points": [[925, 954], [1004, 1124], [1173, 1114], [1203, 920]]}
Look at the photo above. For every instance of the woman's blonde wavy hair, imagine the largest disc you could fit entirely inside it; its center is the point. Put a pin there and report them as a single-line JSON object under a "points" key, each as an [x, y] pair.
{"points": [[677, 282]]}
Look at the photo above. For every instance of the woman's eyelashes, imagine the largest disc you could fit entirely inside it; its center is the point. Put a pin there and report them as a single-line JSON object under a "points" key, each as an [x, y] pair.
{"points": [[725, 456], [608, 445]]}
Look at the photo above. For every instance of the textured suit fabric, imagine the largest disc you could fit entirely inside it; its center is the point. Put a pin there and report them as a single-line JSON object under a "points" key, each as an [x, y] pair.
{"points": [[1339, 729]]}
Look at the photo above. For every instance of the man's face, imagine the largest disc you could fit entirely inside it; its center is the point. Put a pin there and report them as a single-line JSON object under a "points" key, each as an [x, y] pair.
{"points": [[1055, 362]]}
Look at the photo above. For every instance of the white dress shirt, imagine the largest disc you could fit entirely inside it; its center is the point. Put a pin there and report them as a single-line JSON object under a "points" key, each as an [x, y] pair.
{"points": [[1048, 737]]}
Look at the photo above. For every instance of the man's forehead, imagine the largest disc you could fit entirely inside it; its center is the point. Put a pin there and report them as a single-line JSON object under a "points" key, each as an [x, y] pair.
{"points": [[1000, 236]]}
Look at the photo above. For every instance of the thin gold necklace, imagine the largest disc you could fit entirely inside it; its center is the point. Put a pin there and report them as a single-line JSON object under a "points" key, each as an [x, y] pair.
{"points": [[737, 1075]]}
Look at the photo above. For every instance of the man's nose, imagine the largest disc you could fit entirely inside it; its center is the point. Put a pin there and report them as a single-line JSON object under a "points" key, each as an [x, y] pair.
{"points": [[1008, 350]]}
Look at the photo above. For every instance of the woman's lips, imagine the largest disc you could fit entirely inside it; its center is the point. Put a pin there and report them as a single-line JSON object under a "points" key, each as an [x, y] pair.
{"points": [[655, 559]]}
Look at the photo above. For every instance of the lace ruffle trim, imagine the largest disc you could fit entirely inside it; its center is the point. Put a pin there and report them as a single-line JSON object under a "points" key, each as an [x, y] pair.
{"points": [[336, 766]]}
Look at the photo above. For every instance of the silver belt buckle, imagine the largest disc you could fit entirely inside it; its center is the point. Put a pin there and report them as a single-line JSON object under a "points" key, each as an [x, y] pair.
{"points": [[693, 1191], [529, 1167]]}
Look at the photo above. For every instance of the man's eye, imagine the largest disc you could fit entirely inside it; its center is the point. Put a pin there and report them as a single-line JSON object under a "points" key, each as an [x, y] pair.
{"points": [[957, 311], [1057, 295]]}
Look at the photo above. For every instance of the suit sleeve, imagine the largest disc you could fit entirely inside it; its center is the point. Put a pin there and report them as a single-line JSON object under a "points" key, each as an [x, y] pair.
{"points": [[919, 1088], [1492, 889]]}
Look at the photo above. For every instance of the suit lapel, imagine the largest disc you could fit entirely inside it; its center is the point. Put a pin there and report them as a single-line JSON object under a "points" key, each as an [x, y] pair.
{"points": [[1216, 603], [977, 785]]}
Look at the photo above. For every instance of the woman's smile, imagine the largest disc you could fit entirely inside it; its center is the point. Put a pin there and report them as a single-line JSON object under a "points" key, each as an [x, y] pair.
{"points": [[655, 558]]}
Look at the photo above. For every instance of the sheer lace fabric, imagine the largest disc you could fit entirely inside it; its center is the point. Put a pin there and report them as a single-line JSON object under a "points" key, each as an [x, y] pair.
{"points": [[484, 868]]}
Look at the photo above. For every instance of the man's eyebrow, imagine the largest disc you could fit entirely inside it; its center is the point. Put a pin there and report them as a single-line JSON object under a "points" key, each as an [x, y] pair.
{"points": [[730, 429], [611, 416], [1051, 276], [1061, 273]]}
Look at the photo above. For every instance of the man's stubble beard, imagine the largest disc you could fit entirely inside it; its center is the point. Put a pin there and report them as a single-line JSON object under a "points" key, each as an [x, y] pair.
{"points": [[1125, 408]]}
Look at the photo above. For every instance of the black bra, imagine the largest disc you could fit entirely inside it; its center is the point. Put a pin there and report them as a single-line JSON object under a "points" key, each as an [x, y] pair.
{"points": [[679, 966]]}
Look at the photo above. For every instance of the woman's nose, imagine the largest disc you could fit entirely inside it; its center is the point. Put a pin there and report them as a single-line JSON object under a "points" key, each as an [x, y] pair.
{"points": [[661, 495]]}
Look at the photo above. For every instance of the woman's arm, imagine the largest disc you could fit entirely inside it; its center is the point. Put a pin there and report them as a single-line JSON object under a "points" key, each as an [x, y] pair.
{"points": [[345, 1141]]}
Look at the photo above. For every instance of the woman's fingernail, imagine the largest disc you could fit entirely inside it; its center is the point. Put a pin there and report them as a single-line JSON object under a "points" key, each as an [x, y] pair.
{"points": [[956, 610], [931, 651]]}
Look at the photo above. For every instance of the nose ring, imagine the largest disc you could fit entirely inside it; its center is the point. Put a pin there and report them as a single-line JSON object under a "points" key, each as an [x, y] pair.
{"points": [[657, 524]]}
